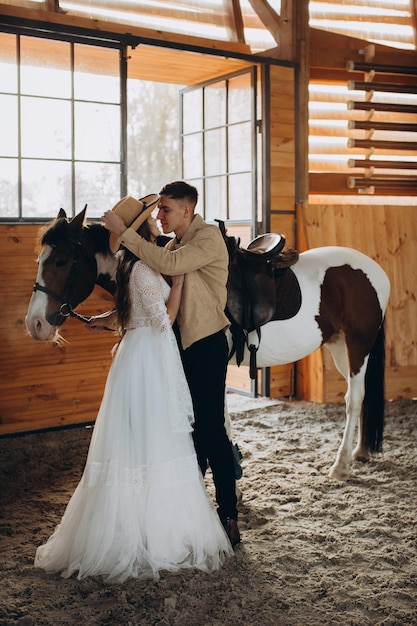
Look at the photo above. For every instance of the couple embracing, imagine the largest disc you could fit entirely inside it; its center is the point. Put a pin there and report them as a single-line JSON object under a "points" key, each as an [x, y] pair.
{"points": [[141, 506]]}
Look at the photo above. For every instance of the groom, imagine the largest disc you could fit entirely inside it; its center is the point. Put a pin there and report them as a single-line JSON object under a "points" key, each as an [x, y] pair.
{"points": [[199, 252]]}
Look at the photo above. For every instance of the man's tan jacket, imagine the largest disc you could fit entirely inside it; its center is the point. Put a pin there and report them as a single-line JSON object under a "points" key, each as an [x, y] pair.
{"points": [[202, 256]]}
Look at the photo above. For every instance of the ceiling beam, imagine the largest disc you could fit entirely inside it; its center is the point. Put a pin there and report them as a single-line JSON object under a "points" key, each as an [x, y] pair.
{"points": [[238, 21], [268, 17]]}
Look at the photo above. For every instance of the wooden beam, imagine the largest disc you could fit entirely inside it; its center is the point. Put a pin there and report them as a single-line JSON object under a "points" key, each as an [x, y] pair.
{"points": [[359, 105], [360, 85], [328, 184], [269, 18], [382, 164], [353, 66], [331, 50], [398, 127], [393, 146], [66, 21], [238, 21], [409, 184]]}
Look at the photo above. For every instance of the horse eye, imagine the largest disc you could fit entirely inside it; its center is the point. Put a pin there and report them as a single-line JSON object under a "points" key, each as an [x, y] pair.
{"points": [[59, 263]]}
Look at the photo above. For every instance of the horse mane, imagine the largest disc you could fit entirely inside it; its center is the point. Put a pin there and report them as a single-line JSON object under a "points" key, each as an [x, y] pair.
{"points": [[94, 235]]}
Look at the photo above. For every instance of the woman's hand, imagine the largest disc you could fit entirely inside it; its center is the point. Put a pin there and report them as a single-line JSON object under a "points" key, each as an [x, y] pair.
{"points": [[97, 323]]}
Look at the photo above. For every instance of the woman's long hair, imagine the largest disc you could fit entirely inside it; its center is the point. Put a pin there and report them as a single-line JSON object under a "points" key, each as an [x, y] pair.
{"points": [[122, 296]]}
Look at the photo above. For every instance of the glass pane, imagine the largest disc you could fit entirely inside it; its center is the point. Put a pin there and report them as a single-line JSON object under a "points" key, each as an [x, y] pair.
{"points": [[193, 156], [8, 188], [199, 184], [240, 147], [215, 105], [240, 99], [8, 126], [46, 67], [215, 151], [216, 198], [152, 136], [46, 187], [96, 75], [8, 68], [97, 132], [46, 128], [98, 186], [192, 111], [240, 197]]}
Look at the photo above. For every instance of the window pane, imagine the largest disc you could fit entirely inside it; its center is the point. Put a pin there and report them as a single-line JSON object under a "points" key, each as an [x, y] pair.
{"points": [[216, 198], [46, 129], [240, 196], [215, 151], [8, 68], [240, 99], [8, 125], [240, 147], [193, 156], [8, 188], [45, 69], [192, 111], [96, 75], [98, 186], [152, 136], [97, 132], [215, 105], [46, 187], [199, 184]]}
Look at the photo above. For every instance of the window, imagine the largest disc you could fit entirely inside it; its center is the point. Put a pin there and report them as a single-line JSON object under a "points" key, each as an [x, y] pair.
{"points": [[60, 127], [219, 147]]}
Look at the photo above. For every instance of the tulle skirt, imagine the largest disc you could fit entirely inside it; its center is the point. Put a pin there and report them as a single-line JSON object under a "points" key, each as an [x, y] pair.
{"points": [[141, 505]]}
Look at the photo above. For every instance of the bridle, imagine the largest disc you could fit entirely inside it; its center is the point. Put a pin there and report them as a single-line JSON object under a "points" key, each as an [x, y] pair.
{"points": [[66, 309]]}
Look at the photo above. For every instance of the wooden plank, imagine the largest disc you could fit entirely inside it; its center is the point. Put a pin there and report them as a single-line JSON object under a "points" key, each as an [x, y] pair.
{"points": [[327, 183], [281, 381]]}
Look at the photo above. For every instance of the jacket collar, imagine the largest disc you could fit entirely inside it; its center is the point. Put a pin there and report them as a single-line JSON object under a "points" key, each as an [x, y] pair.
{"points": [[195, 224]]}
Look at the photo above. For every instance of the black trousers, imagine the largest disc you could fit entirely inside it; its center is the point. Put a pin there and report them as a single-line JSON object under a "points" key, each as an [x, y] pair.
{"points": [[205, 365]]}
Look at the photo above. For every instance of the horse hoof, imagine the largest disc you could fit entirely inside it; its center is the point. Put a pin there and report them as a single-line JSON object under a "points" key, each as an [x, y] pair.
{"points": [[360, 455], [338, 474]]}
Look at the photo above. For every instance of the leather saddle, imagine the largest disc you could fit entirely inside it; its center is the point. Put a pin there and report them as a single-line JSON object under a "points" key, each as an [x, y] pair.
{"points": [[261, 288]]}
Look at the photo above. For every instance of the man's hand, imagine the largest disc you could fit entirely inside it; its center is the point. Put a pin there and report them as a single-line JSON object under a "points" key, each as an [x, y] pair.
{"points": [[114, 223]]}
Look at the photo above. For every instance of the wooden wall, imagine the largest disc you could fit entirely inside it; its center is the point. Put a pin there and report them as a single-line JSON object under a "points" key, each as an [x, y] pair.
{"points": [[42, 385], [388, 234]]}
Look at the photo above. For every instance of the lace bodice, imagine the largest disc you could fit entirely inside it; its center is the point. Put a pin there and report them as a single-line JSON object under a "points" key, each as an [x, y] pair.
{"points": [[148, 294]]}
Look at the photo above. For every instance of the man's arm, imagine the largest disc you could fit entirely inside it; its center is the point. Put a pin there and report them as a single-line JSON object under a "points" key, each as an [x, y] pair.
{"points": [[204, 248]]}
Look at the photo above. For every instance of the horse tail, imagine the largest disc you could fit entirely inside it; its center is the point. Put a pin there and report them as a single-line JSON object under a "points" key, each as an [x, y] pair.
{"points": [[374, 401]]}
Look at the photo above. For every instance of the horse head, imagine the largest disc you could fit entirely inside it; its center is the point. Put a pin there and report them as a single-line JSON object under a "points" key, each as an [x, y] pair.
{"points": [[67, 272]]}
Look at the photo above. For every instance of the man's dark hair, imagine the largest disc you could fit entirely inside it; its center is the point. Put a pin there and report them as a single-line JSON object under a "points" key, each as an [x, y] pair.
{"points": [[179, 190]]}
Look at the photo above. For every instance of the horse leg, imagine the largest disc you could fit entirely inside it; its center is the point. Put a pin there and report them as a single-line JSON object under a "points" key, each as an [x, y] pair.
{"points": [[353, 399]]}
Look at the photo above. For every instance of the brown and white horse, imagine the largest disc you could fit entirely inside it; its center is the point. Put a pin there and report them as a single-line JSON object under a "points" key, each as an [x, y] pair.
{"points": [[344, 295]]}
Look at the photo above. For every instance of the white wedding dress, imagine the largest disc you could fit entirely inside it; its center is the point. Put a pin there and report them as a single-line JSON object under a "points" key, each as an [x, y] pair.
{"points": [[141, 505]]}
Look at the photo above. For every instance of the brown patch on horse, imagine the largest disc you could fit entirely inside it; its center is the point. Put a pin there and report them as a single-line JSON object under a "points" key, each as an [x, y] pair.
{"points": [[349, 303]]}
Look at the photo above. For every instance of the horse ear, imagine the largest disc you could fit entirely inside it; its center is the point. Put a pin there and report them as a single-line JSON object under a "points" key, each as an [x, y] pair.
{"points": [[61, 214], [77, 222]]}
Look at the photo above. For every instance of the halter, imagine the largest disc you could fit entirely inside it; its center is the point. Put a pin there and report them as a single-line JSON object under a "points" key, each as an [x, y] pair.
{"points": [[66, 309]]}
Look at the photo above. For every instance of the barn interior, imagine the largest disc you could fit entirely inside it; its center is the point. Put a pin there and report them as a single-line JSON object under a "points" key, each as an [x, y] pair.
{"points": [[331, 96]]}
